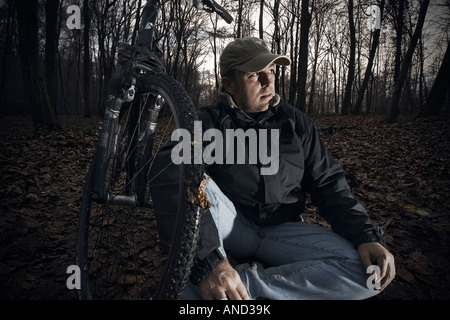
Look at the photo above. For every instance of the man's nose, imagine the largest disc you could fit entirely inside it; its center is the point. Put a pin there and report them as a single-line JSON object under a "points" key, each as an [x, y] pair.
{"points": [[265, 78]]}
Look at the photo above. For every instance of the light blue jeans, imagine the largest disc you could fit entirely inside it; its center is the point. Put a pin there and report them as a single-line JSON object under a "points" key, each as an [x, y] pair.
{"points": [[301, 260]]}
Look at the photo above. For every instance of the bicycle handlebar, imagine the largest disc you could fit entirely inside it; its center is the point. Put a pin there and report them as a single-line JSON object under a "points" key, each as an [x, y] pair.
{"points": [[212, 6]]}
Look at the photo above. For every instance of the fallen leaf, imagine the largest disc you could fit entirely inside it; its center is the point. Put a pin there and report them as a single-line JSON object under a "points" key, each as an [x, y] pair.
{"points": [[405, 275]]}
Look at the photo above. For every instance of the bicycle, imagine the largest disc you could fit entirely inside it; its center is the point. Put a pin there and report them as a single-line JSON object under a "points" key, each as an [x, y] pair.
{"points": [[121, 251]]}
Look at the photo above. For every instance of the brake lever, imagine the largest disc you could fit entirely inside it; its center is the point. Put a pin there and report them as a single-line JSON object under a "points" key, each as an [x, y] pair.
{"points": [[198, 4], [211, 6], [220, 11]]}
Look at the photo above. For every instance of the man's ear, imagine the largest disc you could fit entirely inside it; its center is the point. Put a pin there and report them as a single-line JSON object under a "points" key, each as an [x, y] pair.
{"points": [[228, 85]]}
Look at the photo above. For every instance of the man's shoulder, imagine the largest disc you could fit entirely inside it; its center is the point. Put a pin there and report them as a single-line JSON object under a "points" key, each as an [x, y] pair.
{"points": [[212, 114], [299, 118], [212, 108]]}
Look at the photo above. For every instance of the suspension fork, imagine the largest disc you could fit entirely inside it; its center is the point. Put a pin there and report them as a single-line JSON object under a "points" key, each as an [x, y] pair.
{"points": [[105, 147], [109, 131]]}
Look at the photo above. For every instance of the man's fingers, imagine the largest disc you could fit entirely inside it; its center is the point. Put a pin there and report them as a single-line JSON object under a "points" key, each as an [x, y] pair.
{"points": [[389, 273], [387, 270], [223, 283], [234, 295], [230, 293], [375, 253], [242, 291], [382, 263], [220, 296]]}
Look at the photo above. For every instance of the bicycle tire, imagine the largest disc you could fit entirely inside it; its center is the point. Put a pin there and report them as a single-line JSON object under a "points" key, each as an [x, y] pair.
{"points": [[122, 266]]}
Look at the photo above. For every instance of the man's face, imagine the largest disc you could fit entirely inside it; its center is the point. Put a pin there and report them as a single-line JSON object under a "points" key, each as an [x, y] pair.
{"points": [[252, 92]]}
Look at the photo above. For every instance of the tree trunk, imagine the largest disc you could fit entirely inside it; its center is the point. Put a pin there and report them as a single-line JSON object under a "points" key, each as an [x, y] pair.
{"points": [[214, 22], [86, 59], [318, 32], [137, 23], [277, 42], [261, 19], [239, 21], [8, 40], [303, 56], [351, 68], [294, 57], [376, 37], [394, 109], [51, 45], [41, 111], [440, 87], [399, 22]]}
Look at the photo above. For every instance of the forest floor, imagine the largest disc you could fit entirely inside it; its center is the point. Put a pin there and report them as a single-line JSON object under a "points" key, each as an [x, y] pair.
{"points": [[400, 172]]}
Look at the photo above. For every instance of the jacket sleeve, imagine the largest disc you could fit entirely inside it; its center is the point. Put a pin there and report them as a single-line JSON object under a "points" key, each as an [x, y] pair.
{"points": [[324, 180]]}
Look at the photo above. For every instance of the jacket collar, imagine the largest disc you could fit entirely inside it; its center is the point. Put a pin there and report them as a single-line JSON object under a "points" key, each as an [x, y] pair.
{"points": [[224, 95], [243, 118]]}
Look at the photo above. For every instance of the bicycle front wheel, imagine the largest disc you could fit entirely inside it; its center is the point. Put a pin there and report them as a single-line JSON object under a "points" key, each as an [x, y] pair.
{"points": [[139, 242]]}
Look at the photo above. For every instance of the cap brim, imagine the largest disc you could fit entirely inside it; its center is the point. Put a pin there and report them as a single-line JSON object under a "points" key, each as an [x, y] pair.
{"points": [[262, 61]]}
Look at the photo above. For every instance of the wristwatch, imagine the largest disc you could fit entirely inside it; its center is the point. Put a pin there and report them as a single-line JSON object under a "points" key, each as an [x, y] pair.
{"points": [[204, 267]]}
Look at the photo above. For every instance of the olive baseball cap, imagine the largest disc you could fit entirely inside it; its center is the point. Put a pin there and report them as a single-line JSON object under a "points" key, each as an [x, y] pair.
{"points": [[249, 55]]}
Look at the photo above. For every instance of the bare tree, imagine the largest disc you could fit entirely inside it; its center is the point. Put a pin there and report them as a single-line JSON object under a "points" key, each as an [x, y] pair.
{"points": [[51, 47], [334, 55], [319, 19], [368, 73], [346, 104], [303, 55], [38, 101], [240, 19], [86, 58], [398, 8], [440, 88], [213, 41], [261, 18], [295, 5], [395, 102], [8, 34]]}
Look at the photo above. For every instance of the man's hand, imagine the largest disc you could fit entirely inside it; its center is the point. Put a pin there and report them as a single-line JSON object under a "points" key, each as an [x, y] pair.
{"points": [[223, 283], [374, 253]]}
